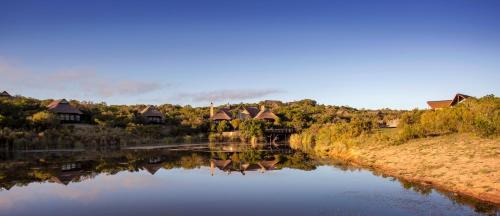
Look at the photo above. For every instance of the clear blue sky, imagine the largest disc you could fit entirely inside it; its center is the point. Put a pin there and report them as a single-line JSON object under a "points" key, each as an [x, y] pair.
{"points": [[370, 54]]}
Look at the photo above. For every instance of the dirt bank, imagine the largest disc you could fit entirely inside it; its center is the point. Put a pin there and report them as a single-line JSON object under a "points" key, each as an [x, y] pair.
{"points": [[464, 164]]}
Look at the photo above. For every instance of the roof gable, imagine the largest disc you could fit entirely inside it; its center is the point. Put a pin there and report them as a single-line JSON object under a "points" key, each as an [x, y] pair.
{"points": [[222, 114], [266, 114], [151, 111], [252, 111], [458, 98], [5, 94], [63, 106]]}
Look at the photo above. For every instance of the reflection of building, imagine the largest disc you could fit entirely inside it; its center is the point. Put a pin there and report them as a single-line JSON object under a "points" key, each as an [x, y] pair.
{"points": [[153, 168], [65, 111], [71, 172], [154, 164], [448, 103], [229, 166]]}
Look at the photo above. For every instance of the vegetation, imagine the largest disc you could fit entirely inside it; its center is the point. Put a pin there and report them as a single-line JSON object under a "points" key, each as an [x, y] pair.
{"points": [[477, 116]]}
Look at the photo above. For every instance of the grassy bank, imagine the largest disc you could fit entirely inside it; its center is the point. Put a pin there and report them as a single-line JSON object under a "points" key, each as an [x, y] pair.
{"points": [[456, 149], [462, 163]]}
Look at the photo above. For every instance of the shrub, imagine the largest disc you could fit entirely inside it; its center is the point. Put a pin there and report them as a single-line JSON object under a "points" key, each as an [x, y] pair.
{"points": [[44, 120], [252, 128]]}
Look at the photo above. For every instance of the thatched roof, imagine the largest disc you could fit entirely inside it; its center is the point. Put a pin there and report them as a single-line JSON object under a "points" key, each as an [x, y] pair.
{"points": [[252, 111], [266, 114], [151, 111], [63, 106], [222, 114], [5, 94]]}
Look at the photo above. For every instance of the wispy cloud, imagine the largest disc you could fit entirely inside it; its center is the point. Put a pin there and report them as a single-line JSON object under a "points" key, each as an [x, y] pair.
{"points": [[75, 80], [228, 94]]}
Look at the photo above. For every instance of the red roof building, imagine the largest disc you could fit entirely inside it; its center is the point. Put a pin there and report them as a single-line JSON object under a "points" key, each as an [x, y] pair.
{"points": [[447, 103]]}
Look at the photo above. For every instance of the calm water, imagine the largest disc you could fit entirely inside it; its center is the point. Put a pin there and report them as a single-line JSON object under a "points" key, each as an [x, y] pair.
{"points": [[210, 180]]}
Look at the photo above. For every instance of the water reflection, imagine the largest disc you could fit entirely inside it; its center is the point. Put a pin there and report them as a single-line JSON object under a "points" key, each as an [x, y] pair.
{"points": [[65, 167], [318, 180]]}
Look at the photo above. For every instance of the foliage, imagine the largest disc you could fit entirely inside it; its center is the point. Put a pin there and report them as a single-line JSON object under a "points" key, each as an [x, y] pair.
{"points": [[252, 128], [44, 120], [222, 126], [478, 116]]}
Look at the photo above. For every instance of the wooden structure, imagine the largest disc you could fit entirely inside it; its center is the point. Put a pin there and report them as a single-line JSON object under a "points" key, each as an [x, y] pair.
{"points": [[5, 94], [65, 111], [152, 115], [448, 103], [275, 135]]}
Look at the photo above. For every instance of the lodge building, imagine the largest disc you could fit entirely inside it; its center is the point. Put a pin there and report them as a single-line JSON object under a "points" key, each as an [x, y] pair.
{"points": [[65, 111], [5, 94], [242, 113], [152, 115], [459, 98]]}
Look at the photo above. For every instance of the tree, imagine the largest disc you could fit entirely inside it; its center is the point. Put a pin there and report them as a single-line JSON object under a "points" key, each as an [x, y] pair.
{"points": [[235, 123], [252, 128], [44, 120], [222, 126]]}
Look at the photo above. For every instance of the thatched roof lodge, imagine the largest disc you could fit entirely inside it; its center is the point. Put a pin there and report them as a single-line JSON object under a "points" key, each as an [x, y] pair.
{"points": [[65, 111], [266, 115], [152, 115], [448, 103], [5, 94], [247, 112], [224, 114]]}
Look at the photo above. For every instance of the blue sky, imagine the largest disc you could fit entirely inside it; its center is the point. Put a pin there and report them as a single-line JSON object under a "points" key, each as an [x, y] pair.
{"points": [[366, 54]]}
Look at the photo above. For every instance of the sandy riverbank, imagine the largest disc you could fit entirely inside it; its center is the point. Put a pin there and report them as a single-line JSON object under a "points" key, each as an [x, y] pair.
{"points": [[463, 163]]}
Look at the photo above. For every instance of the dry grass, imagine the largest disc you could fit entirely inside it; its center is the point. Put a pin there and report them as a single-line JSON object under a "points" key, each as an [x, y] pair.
{"points": [[461, 163]]}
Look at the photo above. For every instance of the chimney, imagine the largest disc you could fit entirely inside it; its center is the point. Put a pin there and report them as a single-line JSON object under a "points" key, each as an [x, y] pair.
{"points": [[262, 107], [211, 109]]}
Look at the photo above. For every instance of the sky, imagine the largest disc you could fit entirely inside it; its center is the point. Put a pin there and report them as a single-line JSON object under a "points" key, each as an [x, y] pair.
{"points": [[364, 54]]}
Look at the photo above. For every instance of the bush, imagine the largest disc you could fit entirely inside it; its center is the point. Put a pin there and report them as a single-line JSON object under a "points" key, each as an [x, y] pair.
{"points": [[478, 116], [252, 128], [44, 120]]}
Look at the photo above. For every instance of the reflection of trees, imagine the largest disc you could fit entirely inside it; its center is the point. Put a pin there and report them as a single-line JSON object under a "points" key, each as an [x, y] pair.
{"points": [[69, 167]]}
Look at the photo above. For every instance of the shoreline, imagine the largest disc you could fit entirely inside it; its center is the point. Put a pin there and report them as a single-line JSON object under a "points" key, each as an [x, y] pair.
{"points": [[478, 177]]}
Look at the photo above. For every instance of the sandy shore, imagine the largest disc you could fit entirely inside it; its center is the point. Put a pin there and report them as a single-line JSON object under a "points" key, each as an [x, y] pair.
{"points": [[463, 164]]}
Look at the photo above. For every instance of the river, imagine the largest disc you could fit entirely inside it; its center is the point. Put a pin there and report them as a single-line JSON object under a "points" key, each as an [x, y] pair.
{"points": [[209, 179]]}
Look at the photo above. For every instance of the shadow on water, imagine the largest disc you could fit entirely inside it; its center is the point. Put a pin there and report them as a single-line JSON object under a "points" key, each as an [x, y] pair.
{"points": [[72, 165]]}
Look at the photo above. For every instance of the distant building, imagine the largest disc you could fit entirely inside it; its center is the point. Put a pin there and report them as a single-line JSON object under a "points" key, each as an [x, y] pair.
{"points": [[266, 115], [448, 103], [65, 111], [152, 115], [247, 112], [5, 94], [225, 114]]}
